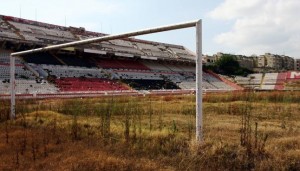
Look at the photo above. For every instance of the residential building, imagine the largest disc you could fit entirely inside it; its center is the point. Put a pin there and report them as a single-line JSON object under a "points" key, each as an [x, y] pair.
{"points": [[297, 64]]}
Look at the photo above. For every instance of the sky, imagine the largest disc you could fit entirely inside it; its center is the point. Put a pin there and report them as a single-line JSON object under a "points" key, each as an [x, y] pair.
{"points": [[243, 27]]}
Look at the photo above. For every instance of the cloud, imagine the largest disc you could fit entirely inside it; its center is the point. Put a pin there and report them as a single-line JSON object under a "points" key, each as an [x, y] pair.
{"points": [[231, 9], [260, 26]]}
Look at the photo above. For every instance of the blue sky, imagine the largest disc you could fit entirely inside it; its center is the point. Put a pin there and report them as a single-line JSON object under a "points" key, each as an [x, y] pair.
{"points": [[230, 26]]}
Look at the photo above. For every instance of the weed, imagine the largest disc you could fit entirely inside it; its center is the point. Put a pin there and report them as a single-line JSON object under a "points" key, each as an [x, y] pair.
{"points": [[243, 131], [75, 129]]}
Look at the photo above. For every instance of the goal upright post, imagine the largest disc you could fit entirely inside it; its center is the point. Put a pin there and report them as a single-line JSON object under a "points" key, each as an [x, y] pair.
{"points": [[199, 122], [12, 88]]}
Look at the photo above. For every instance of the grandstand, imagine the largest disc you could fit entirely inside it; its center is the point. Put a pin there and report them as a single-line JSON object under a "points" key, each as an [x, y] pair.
{"points": [[88, 84], [122, 65], [271, 81]]}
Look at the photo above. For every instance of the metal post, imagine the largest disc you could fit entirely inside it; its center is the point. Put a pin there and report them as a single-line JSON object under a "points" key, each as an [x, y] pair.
{"points": [[199, 127], [12, 88]]}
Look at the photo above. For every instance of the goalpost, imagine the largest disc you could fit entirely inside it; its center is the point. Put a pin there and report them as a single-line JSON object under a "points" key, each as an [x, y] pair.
{"points": [[197, 24]]}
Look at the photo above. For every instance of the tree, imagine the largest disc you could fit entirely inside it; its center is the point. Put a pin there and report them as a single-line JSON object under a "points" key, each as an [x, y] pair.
{"points": [[228, 65]]}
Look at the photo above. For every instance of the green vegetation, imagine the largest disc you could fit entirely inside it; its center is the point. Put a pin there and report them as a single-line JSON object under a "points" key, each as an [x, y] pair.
{"points": [[228, 65], [242, 131]]}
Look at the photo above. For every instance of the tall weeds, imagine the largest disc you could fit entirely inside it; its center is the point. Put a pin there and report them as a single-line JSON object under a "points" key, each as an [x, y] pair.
{"points": [[153, 128]]}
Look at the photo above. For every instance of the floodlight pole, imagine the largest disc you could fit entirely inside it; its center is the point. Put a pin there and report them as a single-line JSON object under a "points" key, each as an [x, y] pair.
{"points": [[12, 88], [199, 123]]}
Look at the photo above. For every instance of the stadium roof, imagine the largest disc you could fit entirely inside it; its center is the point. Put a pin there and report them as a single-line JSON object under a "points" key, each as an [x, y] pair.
{"points": [[35, 34]]}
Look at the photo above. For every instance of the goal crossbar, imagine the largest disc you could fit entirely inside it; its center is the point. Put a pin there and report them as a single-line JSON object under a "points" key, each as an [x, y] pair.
{"points": [[195, 23]]}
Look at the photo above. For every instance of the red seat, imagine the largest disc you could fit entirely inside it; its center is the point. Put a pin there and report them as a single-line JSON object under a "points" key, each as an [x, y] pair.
{"points": [[88, 84]]}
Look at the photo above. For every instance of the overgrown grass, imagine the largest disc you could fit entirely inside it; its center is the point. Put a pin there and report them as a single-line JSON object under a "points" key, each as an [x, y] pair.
{"points": [[242, 131]]}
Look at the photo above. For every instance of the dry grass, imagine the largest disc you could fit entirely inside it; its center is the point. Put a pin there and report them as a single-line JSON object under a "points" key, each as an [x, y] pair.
{"points": [[152, 133]]}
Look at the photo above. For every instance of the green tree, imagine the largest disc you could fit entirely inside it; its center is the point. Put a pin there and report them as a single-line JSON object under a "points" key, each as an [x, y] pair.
{"points": [[227, 65]]}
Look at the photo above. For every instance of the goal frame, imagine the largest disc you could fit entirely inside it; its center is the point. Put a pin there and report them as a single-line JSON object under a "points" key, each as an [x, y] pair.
{"points": [[196, 23]]}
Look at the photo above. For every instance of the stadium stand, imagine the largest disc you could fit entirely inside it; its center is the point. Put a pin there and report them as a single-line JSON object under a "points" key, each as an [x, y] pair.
{"points": [[155, 65], [41, 58], [128, 75], [187, 68], [53, 33], [269, 81], [21, 71], [152, 50], [121, 64], [293, 75], [293, 81], [188, 85], [252, 81], [6, 31], [29, 87], [26, 81], [74, 60], [140, 84], [114, 65], [8, 34], [226, 80], [69, 71], [281, 79], [121, 43], [182, 52], [173, 67], [216, 82], [88, 84]]}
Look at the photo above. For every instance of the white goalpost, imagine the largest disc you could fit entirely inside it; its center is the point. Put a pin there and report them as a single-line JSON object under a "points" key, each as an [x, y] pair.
{"points": [[197, 24]]}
